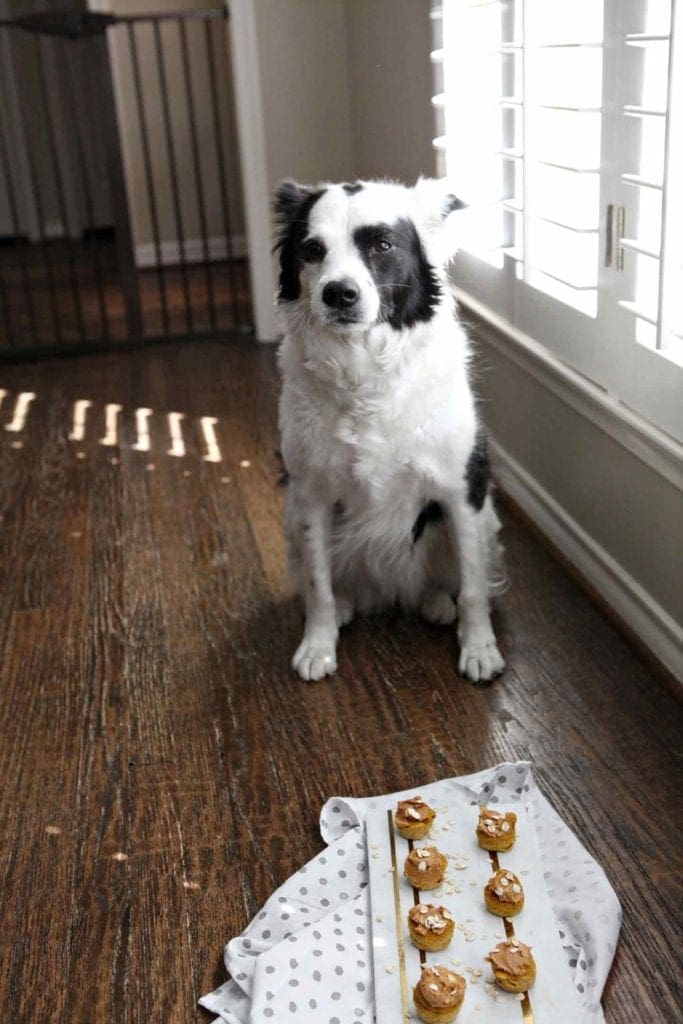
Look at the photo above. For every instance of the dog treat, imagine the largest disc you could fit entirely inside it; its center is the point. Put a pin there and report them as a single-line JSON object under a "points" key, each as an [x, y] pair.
{"points": [[496, 831], [504, 894], [514, 968], [439, 994], [425, 867], [430, 927], [414, 818]]}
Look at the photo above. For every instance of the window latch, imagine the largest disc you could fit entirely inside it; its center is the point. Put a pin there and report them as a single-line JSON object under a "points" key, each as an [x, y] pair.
{"points": [[615, 227], [621, 233], [609, 234]]}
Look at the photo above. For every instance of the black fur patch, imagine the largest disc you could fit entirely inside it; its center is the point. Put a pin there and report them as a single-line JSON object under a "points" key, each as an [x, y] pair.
{"points": [[431, 513], [352, 190], [452, 204], [283, 475], [408, 286], [293, 204], [478, 471]]}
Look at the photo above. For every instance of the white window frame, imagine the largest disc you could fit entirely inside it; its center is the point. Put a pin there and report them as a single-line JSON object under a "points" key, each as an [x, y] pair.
{"points": [[602, 348]]}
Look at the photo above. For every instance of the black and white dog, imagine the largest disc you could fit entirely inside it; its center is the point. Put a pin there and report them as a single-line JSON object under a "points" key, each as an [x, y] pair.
{"points": [[388, 489]]}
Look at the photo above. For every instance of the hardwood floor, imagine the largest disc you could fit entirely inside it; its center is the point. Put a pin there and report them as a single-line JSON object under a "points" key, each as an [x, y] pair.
{"points": [[151, 732]]}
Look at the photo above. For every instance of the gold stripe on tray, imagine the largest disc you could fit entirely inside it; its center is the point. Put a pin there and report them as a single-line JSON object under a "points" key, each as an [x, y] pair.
{"points": [[417, 899], [525, 1004], [399, 922]]}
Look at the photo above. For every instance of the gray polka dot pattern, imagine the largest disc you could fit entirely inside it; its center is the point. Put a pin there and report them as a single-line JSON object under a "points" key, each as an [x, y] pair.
{"points": [[305, 957]]}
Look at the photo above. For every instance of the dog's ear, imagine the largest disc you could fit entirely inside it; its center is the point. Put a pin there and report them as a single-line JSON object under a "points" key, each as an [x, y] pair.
{"points": [[435, 209], [435, 201], [452, 204], [291, 204], [289, 198]]}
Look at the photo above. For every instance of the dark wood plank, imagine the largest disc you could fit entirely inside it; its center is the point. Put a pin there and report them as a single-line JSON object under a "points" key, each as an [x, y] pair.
{"points": [[151, 732]]}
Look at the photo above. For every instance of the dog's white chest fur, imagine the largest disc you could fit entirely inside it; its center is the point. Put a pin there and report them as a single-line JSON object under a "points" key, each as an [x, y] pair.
{"points": [[369, 428]]}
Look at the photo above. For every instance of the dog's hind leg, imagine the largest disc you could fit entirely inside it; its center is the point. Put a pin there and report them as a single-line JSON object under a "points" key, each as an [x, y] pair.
{"points": [[470, 528], [344, 610], [441, 577], [438, 607]]}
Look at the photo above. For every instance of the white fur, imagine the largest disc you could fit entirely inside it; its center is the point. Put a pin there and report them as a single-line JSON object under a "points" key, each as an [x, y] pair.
{"points": [[382, 421]]}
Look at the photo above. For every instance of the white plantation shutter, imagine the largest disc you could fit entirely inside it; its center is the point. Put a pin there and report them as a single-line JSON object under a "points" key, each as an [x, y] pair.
{"points": [[562, 125]]}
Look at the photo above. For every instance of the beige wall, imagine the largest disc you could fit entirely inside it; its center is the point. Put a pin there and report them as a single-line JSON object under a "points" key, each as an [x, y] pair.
{"points": [[346, 87], [305, 89], [391, 87]]}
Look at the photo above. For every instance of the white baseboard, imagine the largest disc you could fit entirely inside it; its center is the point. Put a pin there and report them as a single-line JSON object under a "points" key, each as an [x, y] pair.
{"points": [[632, 603], [193, 248]]}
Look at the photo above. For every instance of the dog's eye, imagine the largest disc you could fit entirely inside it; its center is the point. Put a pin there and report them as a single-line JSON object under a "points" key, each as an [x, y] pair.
{"points": [[313, 251], [382, 245]]}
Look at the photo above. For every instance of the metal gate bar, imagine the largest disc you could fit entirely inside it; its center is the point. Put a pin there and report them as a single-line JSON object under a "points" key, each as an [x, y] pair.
{"points": [[14, 216], [37, 198], [171, 156], [151, 198], [69, 92], [52, 142], [197, 167], [80, 286], [222, 177]]}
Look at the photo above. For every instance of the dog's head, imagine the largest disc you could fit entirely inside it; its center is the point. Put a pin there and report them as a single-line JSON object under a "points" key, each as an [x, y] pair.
{"points": [[352, 256]]}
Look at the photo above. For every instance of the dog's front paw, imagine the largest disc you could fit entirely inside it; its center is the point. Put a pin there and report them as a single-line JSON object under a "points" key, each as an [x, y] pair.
{"points": [[480, 660], [315, 657]]}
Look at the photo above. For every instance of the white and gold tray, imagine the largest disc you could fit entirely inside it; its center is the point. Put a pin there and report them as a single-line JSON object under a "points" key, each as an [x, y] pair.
{"points": [[397, 963]]}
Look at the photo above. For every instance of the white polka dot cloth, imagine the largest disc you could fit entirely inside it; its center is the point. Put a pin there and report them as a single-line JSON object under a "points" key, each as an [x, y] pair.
{"points": [[306, 958]]}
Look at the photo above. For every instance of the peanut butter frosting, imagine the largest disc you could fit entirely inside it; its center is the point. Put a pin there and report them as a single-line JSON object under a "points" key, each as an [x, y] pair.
{"points": [[428, 861], [493, 823], [505, 887], [414, 810], [512, 956], [426, 917], [441, 987]]}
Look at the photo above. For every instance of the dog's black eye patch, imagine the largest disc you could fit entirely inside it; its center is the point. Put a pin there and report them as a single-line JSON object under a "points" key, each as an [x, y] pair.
{"points": [[313, 251], [408, 287], [369, 238]]}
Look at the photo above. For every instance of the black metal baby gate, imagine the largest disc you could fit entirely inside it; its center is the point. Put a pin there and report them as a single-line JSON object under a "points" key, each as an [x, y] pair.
{"points": [[119, 183]]}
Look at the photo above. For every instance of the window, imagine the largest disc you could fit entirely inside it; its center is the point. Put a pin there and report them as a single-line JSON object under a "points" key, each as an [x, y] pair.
{"points": [[562, 125]]}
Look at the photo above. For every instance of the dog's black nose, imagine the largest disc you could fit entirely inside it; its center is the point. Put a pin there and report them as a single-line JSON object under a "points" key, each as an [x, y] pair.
{"points": [[341, 294]]}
